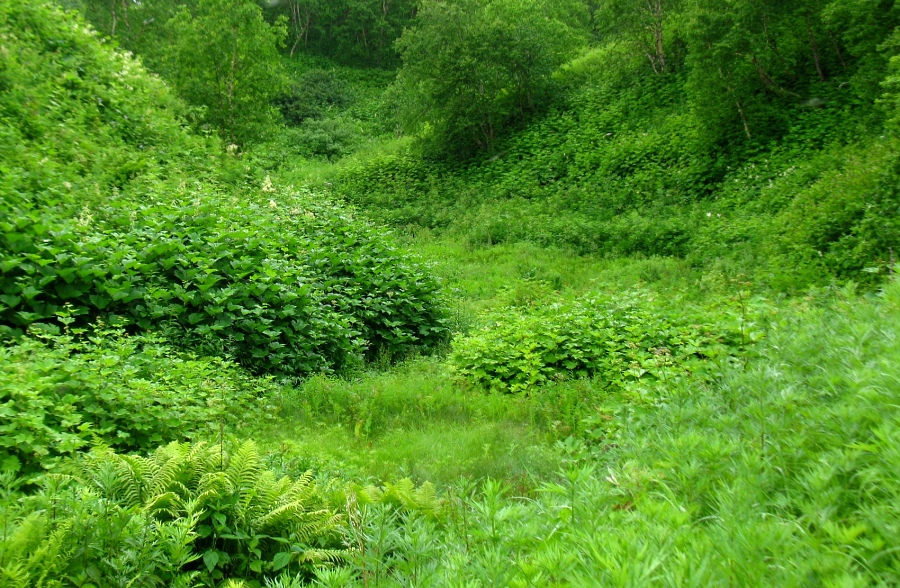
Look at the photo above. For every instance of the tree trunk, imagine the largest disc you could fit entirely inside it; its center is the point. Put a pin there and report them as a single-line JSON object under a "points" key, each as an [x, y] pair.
{"points": [[657, 51], [765, 77], [737, 102], [125, 13], [740, 108], [837, 50], [230, 94], [815, 50]]}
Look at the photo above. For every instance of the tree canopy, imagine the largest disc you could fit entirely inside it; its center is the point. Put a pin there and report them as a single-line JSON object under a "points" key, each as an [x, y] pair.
{"points": [[225, 58], [472, 66]]}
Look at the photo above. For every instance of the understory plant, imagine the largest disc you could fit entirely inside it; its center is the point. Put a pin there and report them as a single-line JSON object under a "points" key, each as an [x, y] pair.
{"points": [[617, 339], [60, 393], [185, 515]]}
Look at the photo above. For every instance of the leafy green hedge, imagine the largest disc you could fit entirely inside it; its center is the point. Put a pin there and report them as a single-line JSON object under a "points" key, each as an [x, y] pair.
{"points": [[615, 339], [287, 287]]}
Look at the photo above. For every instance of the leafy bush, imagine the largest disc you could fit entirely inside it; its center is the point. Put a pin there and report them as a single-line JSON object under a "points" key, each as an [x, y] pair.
{"points": [[59, 394], [329, 138], [314, 93], [202, 280], [184, 514], [617, 340], [291, 286], [847, 222]]}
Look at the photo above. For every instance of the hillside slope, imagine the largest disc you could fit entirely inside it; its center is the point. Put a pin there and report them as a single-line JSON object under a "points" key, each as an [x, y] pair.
{"points": [[624, 163], [113, 207]]}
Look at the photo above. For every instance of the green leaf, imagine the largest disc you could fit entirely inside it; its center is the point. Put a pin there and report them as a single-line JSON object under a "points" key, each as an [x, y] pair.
{"points": [[211, 559], [10, 463], [281, 560]]}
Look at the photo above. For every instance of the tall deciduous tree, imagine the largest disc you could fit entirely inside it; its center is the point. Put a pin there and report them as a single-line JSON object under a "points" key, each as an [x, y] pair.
{"points": [[645, 24], [469, 66], [747, 60], [349, 31], [225, 57], [857, 29]]}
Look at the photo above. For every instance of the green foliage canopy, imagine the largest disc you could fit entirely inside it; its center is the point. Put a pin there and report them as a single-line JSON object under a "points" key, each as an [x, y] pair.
{"points": [[348, 31], [225, 58], [470, 66]]}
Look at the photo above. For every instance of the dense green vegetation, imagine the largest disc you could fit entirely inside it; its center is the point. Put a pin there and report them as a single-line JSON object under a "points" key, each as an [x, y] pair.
{"points": [[634, 320], [275, 278]]}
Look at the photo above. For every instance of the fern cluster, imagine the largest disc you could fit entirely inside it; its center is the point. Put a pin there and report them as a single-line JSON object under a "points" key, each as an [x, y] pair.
{"points": [[183, 515], [70, 534]]}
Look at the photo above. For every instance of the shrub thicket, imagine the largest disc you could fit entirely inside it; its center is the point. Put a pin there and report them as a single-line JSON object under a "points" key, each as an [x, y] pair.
{"points": [[614, 340], [59, 394]]}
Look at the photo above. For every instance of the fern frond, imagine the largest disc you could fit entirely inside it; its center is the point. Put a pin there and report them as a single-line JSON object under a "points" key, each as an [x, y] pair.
{"points": [[168, 502], [312, 525], [281, 514], [200, 457], [15, 576], [210, 487], [306, 479], [426, 500], [320, 556], [26, 535], [168, 466], [40, 562], [369, 495], [304, 488], [243, 467], [131, 472], [400, 493]]}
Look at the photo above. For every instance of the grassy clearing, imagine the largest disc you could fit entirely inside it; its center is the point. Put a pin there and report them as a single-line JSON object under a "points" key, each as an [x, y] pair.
{"points": [[781, 471], [482, 278], [419, 420], [408, 421], [416, 419]]}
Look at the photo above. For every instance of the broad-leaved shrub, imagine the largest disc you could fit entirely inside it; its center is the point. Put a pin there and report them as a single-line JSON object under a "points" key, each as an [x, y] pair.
{"points": [[59, 394], [617, 339], [280, 281]]}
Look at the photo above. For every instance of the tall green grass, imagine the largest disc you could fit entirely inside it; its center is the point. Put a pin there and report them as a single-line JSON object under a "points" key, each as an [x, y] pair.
{"points": [[781, 473]]}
